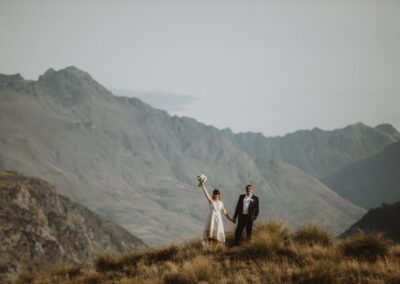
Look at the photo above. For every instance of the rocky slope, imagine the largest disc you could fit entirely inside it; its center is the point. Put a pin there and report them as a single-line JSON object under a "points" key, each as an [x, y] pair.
{"points": [[40, 228], [137, 165], [383, 219], [318, 152], [372, 181]]}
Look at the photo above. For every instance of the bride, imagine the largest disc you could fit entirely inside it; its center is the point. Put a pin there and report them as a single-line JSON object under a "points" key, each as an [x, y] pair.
{"points": [[214, 228]]}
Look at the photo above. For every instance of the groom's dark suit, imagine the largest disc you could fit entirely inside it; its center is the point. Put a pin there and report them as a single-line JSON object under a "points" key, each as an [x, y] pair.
{"points": [[245, 220]]}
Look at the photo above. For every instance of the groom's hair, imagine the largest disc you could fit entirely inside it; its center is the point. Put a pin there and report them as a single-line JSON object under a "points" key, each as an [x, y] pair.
{"points": [[216, 192], [249, 185]]}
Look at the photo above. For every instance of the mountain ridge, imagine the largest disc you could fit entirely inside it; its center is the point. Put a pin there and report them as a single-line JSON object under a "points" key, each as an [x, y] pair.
{"points": [[383, 219], [136, 165], [372, 181], [42, 228], [318, 152]]}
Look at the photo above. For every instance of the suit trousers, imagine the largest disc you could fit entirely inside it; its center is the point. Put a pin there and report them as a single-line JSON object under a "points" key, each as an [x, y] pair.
{"points": [[243, 221]]}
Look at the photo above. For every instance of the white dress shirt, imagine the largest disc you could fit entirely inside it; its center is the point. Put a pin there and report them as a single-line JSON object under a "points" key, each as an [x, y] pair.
{"points": [[246, 204]]}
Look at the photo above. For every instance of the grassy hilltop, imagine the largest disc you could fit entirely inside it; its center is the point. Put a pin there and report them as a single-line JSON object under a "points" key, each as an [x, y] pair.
{"points": [[275, 255]]}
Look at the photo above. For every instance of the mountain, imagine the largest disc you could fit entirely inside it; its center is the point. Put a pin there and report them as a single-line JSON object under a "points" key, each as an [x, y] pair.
{"points": [[40, 228], [318, 152], [383, 219], [372, 181], [137, 165]]}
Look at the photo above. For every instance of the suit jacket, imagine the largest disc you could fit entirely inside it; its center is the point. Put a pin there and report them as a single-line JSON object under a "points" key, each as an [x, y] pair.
{"points": [[253, 207]]}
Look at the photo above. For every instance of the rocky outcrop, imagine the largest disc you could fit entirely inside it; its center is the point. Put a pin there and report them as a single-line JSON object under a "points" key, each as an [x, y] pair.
{"points": [[40, 228]]}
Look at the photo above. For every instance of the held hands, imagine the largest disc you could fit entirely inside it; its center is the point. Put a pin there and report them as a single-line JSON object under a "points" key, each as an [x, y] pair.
{"points": [[233, 220]]}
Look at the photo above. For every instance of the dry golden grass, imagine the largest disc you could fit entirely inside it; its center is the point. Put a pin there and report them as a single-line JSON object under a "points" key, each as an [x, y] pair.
{"points": [[365, 246], [312, 234], [274, 255]]}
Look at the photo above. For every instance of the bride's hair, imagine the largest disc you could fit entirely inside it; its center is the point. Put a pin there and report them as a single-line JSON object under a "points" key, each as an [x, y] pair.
{"points": [[216, 192]]}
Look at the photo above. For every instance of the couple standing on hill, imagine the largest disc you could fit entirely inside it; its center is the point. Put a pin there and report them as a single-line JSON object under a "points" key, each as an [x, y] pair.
{"points": [[246, 212]]}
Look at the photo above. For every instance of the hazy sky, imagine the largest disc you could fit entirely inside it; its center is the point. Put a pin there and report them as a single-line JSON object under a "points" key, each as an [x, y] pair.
{"points": [[265, 66]]}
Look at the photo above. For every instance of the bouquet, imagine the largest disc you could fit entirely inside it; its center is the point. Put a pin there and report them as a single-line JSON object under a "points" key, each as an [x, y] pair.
{"points": [[202, 179]]}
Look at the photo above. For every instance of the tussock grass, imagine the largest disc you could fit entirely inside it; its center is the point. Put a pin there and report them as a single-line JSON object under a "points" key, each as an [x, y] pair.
{"points": [[26, 277], [324, 271], [274, 228], [68, 272], [120, 263], [312, 234], [270, 240], [263, 245], [395, 251], [274, 255], [196, 270], [365, 246]]}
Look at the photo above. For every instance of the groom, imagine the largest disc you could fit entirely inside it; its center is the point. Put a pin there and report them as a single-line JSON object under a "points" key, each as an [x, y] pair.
{"points": [[247, 210]]}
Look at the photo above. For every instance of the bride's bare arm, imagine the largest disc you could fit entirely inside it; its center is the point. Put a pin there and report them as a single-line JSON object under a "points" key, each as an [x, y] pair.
{"points": [[226, 214], [205, 191]]}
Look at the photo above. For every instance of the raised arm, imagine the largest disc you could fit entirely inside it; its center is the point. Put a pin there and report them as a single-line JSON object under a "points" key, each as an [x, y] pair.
{"points": [[206, 194]]}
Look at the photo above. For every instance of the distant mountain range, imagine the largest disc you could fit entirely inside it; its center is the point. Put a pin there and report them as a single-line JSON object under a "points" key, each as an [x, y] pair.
{"points": [[318, 152], [384, 219], [40, 228], [137, 165], [370, 182]]}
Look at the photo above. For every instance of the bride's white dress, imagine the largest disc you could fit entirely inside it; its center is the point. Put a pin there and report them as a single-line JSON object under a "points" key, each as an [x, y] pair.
{"points": [[214, 228]]}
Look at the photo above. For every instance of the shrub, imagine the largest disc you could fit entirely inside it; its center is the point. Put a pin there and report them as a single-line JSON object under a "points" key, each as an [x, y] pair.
{"points": [[365, 246], [312, 234]]}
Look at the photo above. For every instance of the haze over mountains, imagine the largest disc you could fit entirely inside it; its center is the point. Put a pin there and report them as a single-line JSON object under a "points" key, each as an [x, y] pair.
{"points": [[136, 165], [39, 228], [372, 181]]}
